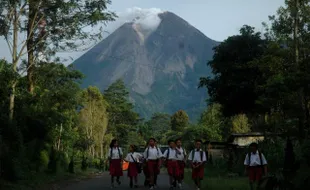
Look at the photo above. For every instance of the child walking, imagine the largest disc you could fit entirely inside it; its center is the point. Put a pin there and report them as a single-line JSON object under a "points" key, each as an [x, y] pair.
{"points": [[197, 158], [134, 159], [115, 156], [153, 156], [181, 161], [170, 156], [255, 165]]}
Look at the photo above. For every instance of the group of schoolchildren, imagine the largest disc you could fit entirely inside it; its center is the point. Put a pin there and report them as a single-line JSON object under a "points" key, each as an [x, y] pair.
{"points": [[175, 159]]}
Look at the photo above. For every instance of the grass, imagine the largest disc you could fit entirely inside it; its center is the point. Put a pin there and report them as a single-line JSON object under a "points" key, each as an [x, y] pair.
{"points": [[217, 179], [44, 180]]}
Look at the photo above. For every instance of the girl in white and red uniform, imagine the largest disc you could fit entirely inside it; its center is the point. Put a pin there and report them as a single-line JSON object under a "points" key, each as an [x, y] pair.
{"points": [[115, 156]]}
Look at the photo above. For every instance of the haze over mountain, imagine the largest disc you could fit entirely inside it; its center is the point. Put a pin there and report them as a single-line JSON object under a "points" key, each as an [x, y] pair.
{"points": [[160, 57]]}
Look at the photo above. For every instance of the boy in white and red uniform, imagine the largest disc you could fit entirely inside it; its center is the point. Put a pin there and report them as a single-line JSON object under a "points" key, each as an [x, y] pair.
{"points": [[198, 158], [255, 165], [170, 156], [153, 156], [181, 161]]}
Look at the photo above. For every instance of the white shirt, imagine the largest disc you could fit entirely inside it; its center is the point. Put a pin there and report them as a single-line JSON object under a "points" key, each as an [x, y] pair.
{"points": [[197, 156], [115, 153], [255, 160], [135, 155], [152, 153], [181, 153], [172, 154]]}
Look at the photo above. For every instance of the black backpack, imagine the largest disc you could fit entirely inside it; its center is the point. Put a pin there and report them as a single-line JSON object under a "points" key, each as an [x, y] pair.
{"points": [[193, 155], [147, 152], [119, 153], [260, 158]]}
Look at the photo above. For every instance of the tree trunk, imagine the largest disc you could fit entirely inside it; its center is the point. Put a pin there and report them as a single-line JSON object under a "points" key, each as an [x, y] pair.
{"points": [[14, 62], [301, 95], [30, 46]]}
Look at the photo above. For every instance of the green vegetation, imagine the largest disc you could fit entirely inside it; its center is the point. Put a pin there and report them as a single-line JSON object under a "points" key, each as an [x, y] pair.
{"points": [[216, 178], [51, 128]]}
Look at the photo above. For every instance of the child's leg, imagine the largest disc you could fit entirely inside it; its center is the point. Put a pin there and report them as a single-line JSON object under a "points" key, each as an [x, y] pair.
{"points": [[136, 180], [112, 180], [117, 180]]}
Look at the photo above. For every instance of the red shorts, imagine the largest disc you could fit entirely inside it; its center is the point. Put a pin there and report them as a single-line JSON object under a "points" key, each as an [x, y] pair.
{"points": [[198, 173], [255, 173], [153, 167], [116, 168], [173, 168], [132, 170], [181, 165]]}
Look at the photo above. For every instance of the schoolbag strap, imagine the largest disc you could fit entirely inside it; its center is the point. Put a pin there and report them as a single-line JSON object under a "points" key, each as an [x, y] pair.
{"points": [[168, 153], [260, 158], [193, 154], [133, 158]]}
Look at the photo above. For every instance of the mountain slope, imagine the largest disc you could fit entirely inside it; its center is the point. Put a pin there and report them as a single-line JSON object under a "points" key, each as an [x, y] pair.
{"points": [[160, 67]]}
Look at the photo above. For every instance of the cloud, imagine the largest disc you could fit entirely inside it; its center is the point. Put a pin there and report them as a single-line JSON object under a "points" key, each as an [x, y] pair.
{"points": [[147, 18]]}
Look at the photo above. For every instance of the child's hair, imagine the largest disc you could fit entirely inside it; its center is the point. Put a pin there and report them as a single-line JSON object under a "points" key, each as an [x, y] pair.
{"points": [[254, 145], [179, 139], [133, 147], [170, 141], [153, 139], [198, 140], [112, 143]]}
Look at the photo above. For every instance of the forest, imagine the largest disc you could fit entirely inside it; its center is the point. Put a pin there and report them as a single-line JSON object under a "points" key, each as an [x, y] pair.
{"points": [[50, 125]]}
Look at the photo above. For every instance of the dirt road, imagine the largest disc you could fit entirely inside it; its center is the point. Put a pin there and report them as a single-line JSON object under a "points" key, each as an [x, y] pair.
{"points": [[102, 182]]}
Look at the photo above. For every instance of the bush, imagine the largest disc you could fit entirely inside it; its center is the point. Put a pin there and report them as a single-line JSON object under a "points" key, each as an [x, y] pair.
{"points": [[84, 165], [43, 160]]}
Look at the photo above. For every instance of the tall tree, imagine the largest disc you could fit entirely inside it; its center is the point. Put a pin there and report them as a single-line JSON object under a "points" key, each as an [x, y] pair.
{"points": [[212, 122], [94, 119], [47, 27], [289, 29], [233, 83], [122, 118], [240, 124], [159, 124], [179, 121]]}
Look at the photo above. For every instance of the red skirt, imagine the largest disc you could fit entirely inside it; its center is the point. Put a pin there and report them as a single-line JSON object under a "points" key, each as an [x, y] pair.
{"points": [[255, 173], [132, 170], [145, 170], [173, 168], [181, 165], [198, 173], [116, 168], [153, 168]]}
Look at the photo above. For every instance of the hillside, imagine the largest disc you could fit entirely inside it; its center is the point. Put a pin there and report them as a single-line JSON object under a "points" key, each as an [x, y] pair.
{"points": [[161, 67]]}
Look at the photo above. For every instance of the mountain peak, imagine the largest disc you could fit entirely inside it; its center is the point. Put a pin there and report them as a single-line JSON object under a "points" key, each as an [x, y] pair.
{"points": [[159, 56]]}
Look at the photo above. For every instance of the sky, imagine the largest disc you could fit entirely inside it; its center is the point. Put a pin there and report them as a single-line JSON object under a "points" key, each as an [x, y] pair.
{"points": [[217, 19]]}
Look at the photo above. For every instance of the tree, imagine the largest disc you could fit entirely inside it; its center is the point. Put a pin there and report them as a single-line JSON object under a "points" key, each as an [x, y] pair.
{"points": [[159, 124], [122, 118], [240, 124], [290, 28], [94, 119], [179, 121], [47, 27], [233, 83], [212, 123]]}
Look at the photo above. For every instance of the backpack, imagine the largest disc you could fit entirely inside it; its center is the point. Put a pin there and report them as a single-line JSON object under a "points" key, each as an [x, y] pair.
{"points": [[119, 153], [147, 152], [193, 155], [260, 158], [168, 153]]}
